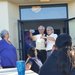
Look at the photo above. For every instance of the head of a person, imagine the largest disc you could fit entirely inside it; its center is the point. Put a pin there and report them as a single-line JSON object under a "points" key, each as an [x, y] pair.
{"points": [[31, 52], [49, 30], [41, 29], [63, 41], [4, 34], [27, 35]]}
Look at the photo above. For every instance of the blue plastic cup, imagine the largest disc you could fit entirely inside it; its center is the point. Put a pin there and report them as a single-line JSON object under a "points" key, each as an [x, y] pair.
{"points": [[20, 67]]}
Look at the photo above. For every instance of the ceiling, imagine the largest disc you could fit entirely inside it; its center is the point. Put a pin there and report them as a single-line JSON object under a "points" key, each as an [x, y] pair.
{"points": [[36, 2]]}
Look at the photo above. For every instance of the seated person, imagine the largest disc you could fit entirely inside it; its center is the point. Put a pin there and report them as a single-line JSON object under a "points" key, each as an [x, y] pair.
{"points": [[33, 62]]}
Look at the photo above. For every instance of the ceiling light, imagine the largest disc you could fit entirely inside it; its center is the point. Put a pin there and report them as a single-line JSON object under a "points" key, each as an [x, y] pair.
{"points": [[36, 9], [44, 0]]}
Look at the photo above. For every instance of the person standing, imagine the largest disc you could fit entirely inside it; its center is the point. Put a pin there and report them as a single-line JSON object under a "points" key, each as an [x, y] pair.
{"points": [[28, 43], [8, 55], [40, 43], [51, 38]]}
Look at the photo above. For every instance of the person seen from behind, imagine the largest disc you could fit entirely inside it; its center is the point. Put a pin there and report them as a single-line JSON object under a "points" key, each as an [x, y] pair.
{"points": [[59, 62]]}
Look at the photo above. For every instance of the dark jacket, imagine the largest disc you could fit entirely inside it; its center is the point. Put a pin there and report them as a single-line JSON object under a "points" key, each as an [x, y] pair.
{"points": [[57, 64], [34, 66]]}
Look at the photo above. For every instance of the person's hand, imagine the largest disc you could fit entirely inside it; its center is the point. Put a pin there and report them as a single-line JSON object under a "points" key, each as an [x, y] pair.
{"points": [[43, 37], [72, 52], [28, 66], [31, 31], [0, 67]]}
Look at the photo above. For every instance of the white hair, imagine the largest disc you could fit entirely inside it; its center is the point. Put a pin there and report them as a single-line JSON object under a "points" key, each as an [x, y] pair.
{"points": [[50, 28], [3, 33], [41, 27]]}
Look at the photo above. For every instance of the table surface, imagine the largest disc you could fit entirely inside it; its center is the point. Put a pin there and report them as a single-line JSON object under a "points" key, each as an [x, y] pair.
{"points": [[13, 71]]}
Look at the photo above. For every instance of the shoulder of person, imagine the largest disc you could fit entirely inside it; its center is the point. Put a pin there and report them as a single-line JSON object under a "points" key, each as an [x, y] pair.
{"points": [[55, 35], [62, 53]]}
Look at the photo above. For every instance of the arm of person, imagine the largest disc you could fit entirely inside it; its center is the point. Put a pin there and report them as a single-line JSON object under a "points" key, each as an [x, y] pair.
{"points": [[52, 38], [1, 67], [29, 64], [32, 37], [1, 46], [0, 63]]}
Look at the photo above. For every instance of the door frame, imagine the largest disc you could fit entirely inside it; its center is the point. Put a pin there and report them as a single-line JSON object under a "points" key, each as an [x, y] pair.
{"points": [[21, 36]]}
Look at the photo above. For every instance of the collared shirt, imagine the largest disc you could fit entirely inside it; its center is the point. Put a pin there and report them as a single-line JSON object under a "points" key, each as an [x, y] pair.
{"points": [[50, 43]]}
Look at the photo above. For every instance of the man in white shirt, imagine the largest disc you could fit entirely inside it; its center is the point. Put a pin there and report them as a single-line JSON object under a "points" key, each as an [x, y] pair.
{"points": [[40, 43], [51, 38]]}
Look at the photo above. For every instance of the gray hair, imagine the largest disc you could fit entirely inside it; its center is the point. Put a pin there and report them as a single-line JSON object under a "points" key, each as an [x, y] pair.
{"points": [[3, 33], [41, 27], [50, 28]]}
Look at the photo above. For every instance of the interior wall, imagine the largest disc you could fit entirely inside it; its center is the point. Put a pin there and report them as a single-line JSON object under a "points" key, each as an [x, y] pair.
{"points": [[71, 11], [4, 15], [13, 16], [34, 24], [13, 11]]}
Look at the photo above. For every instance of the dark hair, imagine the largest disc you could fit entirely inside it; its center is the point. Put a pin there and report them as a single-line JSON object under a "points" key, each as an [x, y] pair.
{"points": [[31, 52], [63, 40]]}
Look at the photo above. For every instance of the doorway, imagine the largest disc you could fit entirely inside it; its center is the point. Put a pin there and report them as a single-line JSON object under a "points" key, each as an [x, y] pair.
{"points": [[60, 26]]}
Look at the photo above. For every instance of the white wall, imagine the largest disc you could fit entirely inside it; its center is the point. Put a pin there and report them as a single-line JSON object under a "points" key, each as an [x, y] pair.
{"points": [[71, 10], [4, 16], [9, 14], [13, 11]]}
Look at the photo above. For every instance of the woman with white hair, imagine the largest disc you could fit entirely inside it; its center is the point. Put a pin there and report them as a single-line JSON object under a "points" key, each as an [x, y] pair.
{"points": [[8, 54], [40, 43]]}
